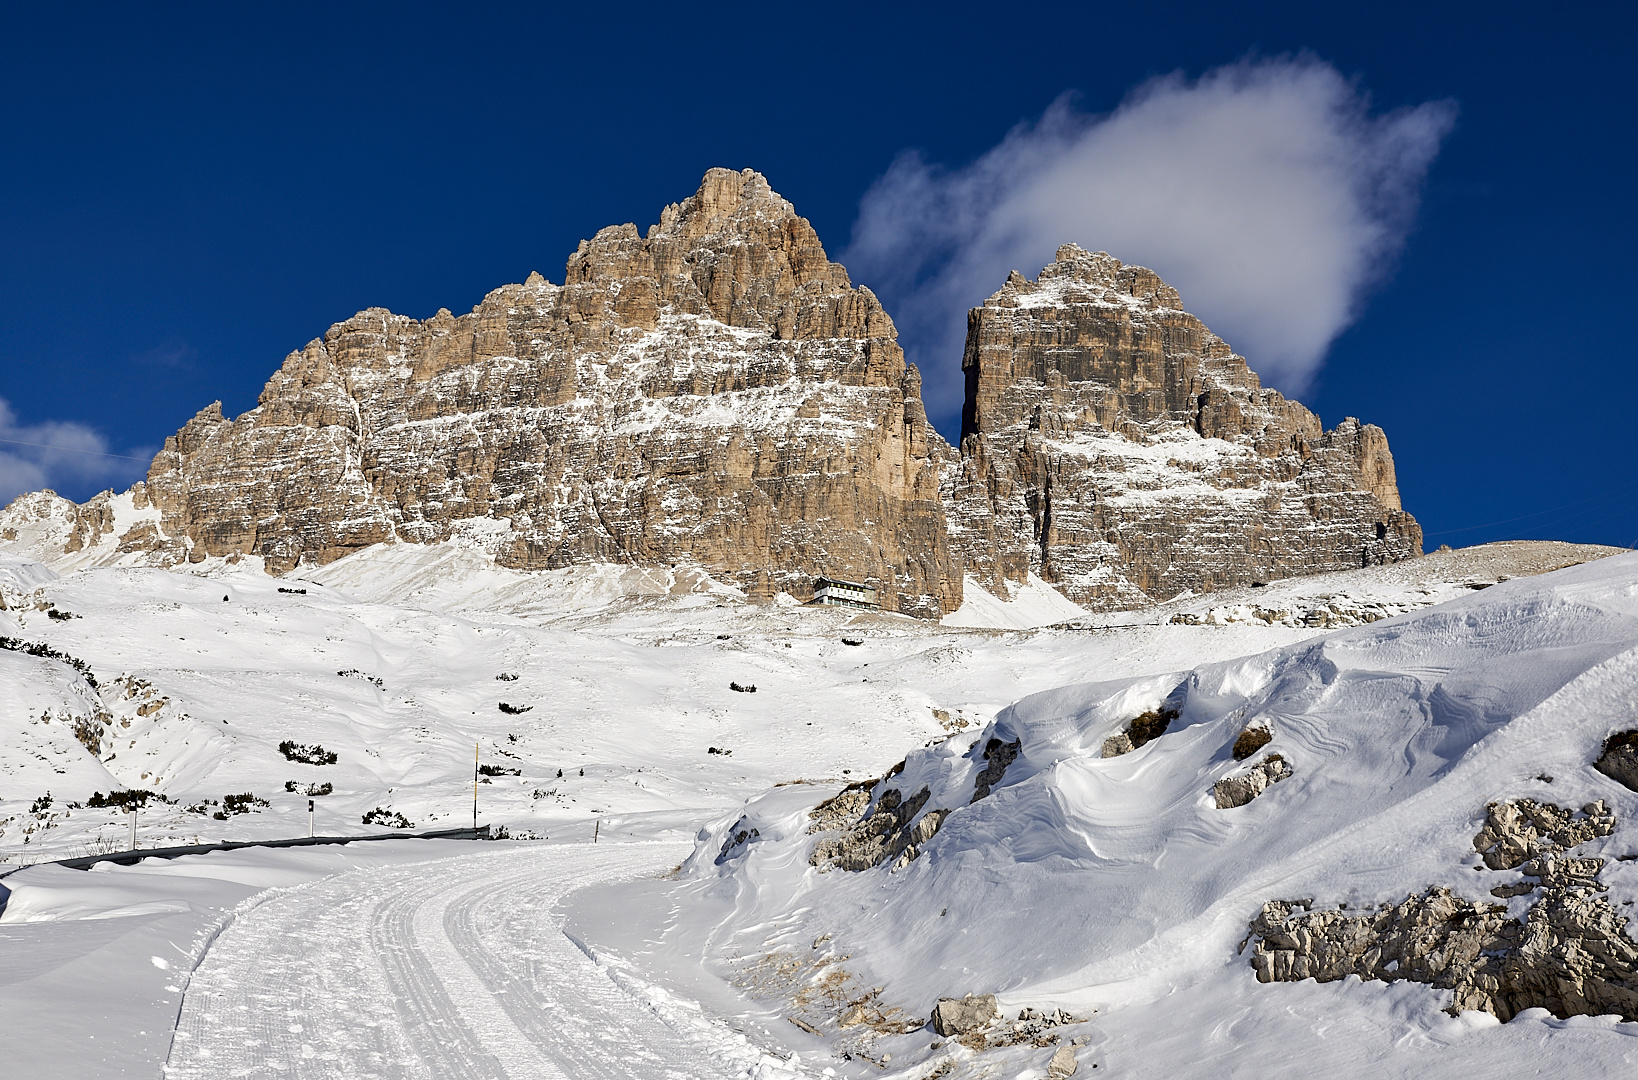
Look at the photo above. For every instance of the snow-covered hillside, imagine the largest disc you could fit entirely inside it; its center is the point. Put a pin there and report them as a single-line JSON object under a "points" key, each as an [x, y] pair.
{"points": [[1120, 889], [1078, 882], [398, 660]]}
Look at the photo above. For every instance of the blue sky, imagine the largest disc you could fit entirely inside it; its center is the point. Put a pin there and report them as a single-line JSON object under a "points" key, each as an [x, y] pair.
{"points": [[191, 192]]}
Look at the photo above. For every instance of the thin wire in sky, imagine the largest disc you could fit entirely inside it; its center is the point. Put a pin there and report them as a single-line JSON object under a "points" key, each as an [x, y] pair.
{"points": [[72, 450], [1538, 513]]}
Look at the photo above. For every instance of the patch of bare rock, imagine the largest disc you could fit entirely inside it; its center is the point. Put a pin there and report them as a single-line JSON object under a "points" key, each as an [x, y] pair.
{"points": [[1570, 954], [1619, 759], [1143, 729], [887, 828], [1237, 790]]}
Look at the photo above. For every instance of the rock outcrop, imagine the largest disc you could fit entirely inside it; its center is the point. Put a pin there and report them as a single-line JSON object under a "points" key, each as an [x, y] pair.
{"points": [[1570, 955], [1619, 759], [1232, 791], [960, 1016], [1114, 446], [713, 393]]}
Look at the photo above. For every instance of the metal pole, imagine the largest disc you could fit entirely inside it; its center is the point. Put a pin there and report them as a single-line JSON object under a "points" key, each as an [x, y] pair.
{"points": [[596, 825], [133, 826], [309, 818]]}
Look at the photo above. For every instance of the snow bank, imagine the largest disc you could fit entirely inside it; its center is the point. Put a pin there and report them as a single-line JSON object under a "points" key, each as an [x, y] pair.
{"points": [[1034, 603], [1112, 883], [459, 575]]}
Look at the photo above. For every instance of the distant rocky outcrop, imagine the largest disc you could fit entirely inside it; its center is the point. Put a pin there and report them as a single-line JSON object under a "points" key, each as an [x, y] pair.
{"points": [[1119, 449]]}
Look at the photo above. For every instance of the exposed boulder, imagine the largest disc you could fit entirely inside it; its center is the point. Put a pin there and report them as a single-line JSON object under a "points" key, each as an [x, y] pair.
{"points": [[1251, 740], [1232, 791], [962, 1016], [890, 832], [1619, 759], [1144, 728]]}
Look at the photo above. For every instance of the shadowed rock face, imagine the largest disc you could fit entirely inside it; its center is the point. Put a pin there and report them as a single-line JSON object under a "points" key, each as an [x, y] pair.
{"points": [[715, 392], [1119, 449]]}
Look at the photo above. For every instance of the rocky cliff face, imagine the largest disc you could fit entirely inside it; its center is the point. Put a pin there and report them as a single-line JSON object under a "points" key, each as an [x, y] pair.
{"points": [[717, 394], [1116, 447], [714, 393]]}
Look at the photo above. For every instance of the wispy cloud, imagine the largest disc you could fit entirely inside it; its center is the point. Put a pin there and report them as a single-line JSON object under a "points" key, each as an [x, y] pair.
{"points": [[60, 454], [1267, 192], [174, 353]]}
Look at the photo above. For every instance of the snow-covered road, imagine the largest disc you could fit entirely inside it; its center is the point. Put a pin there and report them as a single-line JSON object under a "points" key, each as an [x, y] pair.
{"points": [[447, 969]]}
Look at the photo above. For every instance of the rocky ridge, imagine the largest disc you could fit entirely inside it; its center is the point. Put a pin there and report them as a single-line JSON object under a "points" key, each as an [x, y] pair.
{"points": [[715, 393], [1117, 448]]}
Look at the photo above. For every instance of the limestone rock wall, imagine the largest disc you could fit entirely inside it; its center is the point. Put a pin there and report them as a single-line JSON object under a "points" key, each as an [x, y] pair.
{"points": [[1116, 447], [714, 392]]}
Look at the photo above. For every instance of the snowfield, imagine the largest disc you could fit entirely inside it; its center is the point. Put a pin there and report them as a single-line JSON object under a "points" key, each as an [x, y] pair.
{"points": [[598, 699], [1117, 889]]}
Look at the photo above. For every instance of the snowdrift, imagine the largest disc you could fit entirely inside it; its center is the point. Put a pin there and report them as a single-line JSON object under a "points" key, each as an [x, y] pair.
{"points": [[1105, 883]]}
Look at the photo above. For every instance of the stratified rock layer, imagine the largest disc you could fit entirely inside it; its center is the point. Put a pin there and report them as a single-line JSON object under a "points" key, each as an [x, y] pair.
{"points": [[1117, 448], [715, 393]]}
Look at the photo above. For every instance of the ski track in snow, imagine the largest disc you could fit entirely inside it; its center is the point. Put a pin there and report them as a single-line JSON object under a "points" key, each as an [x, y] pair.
{"points": [[450, 969]]}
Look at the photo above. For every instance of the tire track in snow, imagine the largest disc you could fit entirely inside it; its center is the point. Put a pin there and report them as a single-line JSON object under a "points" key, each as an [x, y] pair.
{"points": [[448, 969]]}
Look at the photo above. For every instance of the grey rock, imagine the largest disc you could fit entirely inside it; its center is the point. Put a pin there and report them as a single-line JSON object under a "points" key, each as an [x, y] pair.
{"points": [[1619, 759], [1570, 955], [959, 1016], [1063, 1064], [1238, 790], [891, 832]]}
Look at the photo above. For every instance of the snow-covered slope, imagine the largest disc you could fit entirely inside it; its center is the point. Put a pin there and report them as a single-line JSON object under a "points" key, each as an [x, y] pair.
{"points": [[1032, 604], [1117, 887]]}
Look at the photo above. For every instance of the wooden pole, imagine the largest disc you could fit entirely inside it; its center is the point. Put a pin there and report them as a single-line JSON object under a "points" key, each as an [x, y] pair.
{"points": [[596, 825]]}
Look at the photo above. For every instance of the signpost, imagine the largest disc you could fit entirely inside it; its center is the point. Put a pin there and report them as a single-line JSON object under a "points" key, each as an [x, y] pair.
{"points": [[474, 785], [309, 817], [133, 826]]}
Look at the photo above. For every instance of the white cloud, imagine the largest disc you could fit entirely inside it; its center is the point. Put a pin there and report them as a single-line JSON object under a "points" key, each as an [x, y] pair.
{"points": [[1266, 192], [59, 454]]}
